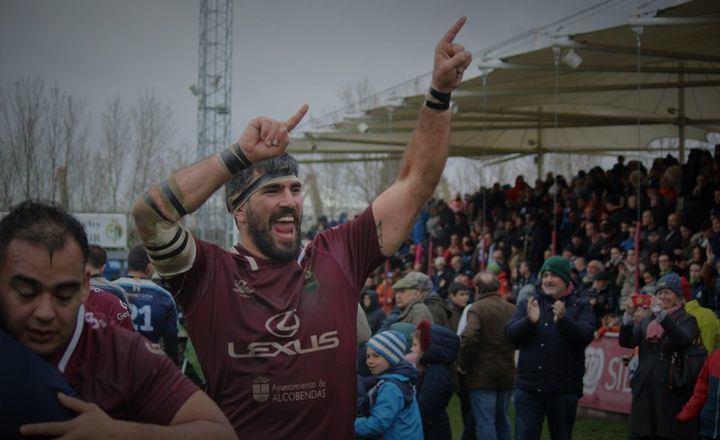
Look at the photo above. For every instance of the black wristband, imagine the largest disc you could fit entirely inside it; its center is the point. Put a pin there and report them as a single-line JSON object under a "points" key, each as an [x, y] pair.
{"points": [[440, 96], [437, 100], [436, 105], [234, 159]]}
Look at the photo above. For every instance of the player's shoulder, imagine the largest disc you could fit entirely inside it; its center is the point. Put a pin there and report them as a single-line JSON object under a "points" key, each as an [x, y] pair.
{"points": [[364, 219]]}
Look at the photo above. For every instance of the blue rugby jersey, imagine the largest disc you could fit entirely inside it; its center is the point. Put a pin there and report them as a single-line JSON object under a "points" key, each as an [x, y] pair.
{"points": [[152, 308]]}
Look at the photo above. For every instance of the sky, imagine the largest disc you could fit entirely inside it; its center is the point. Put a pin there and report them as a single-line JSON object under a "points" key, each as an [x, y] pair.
{"points": [[285, 52]]}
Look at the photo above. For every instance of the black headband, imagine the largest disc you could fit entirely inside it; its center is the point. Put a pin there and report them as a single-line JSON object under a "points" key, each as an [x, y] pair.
{"points": [[237, 199]]}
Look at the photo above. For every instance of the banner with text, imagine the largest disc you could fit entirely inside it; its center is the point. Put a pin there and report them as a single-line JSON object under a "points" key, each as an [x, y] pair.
{"points": [[106, 230], [606, 384]]}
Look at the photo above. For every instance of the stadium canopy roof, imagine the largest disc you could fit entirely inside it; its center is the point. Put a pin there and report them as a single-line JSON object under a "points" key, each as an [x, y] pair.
{"points": [[618, 99]]}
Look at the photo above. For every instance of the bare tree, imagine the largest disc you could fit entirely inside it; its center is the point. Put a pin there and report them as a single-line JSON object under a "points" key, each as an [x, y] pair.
{"points": [[114, 145], [22, 131], [66, 131], [151, 125]]}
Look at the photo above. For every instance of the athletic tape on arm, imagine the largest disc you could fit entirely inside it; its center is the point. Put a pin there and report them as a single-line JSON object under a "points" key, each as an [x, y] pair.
{"points": [[170, 245]]}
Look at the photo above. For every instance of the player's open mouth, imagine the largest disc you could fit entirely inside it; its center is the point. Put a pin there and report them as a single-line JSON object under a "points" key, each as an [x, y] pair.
{"points": [[284, 228]]}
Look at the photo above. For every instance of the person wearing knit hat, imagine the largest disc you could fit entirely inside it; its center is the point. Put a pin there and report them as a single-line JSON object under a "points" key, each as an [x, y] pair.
{"points": [[394, 412], [390, 345], [551, 328], [558, 265], [670, 281], [668, 329]]}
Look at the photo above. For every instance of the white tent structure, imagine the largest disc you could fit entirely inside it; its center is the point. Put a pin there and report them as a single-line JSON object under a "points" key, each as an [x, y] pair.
{"points": [[612, 90]]}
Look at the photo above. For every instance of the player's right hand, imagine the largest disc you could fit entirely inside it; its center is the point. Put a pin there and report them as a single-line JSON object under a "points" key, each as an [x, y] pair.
{"points": [[264, 138]]}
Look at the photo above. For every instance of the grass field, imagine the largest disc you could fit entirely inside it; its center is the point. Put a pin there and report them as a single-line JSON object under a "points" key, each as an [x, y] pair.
{"points": [[586, 427]]}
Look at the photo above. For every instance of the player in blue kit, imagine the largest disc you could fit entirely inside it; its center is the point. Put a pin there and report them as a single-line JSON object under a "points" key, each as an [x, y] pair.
{"points": [[152, 308]]}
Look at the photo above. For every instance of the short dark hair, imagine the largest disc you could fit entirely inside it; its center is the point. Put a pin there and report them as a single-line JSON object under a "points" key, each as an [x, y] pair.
{"points": [[97, 257], [41, 223], [138, 258]]}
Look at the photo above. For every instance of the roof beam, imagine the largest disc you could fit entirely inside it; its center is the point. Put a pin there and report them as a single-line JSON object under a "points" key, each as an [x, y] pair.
{"points": [[598, 69], [569, 43], [674, 21], [588, 89]]}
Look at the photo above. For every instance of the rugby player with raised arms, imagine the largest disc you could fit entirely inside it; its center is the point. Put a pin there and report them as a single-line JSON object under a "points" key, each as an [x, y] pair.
{"points": [[272, 322]]}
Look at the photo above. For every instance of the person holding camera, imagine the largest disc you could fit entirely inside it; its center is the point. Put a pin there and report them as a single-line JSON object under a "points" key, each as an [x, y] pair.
{"points": [[659, 328]]}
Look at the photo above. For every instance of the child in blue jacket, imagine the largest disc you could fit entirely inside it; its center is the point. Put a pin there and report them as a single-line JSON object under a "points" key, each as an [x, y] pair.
{"points": [[393, 408]]}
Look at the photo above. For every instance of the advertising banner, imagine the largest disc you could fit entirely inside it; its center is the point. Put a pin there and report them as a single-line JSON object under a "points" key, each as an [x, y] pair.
{"points": [[606, 385]]}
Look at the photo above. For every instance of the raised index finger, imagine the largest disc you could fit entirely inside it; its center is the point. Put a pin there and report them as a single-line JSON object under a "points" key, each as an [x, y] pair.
{"points": [[453, 31], [297, 117]]}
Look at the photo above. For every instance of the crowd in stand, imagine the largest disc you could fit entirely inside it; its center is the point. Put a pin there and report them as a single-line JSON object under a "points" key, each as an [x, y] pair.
{"points": [[591, 219], [622, 230]]}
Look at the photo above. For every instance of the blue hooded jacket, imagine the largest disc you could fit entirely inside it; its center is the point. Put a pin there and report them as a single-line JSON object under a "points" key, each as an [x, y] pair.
{"points": [[390, 415]]}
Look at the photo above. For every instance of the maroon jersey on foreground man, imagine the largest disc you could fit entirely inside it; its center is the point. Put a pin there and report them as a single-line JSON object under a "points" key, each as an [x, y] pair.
{"points": [[274, 324]]}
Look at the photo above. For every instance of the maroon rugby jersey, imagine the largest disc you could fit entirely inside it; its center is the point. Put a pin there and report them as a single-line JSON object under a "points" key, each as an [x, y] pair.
{"points": [[277, 340], [109, 305], [126, 375]]}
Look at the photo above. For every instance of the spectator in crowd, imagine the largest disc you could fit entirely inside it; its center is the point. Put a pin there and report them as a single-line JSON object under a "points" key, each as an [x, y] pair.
{"points": [[153, 309], [373, 313], [393, 411], [666, 262], [594, 267], [664, 329], [487, 359], [626, 278], [551, 329], [409, 301], [672, 239], [130, 388], [704, 404], [435, 349], [96, 265], [603, 297], [458, 296], [502, 277], [707, 323], [442, 277], [386, 296]]}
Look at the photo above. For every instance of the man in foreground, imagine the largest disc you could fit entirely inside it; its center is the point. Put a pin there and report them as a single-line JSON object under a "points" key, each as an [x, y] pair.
{"points": [[274, 324], [131, 388]]}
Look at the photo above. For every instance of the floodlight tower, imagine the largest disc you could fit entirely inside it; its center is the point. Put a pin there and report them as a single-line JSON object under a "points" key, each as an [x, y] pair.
{"points": [[213, 93]]}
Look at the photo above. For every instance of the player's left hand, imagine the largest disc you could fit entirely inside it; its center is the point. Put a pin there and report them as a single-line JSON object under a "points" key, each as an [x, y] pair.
{"points": [[451, 60], [91, 423]]}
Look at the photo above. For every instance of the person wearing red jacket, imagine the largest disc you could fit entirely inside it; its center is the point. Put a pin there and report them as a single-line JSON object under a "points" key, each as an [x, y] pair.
{"points": [[705, 400]]}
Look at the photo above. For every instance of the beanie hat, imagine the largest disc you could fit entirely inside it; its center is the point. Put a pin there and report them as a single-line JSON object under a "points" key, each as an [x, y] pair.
{"points": [[558, 265], [390, 345], [493, 268], [670, 281]]}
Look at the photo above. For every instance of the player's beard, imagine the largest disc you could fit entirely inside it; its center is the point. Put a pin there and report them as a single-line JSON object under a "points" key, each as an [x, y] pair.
{"points": [[261, 234]]}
